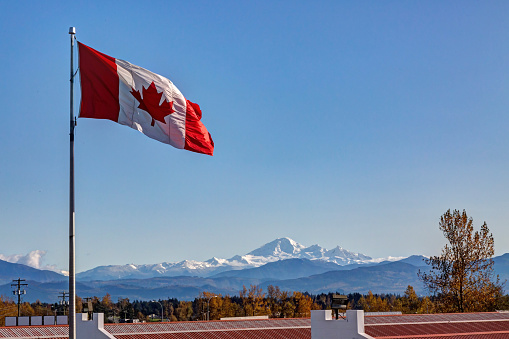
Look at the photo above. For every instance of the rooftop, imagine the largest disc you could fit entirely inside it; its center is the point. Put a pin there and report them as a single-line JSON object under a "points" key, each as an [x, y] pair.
{"points": [[267, 328], [426, 326], [442, 325]]}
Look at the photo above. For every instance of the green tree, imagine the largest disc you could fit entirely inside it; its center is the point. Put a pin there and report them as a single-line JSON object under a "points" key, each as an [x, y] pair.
{"points": [[462, 277]]}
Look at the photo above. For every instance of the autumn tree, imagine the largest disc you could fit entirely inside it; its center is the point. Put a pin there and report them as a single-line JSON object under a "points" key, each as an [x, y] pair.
{"points": [[288, 309], [410, 301], [7, 309], [208, 303], [253, 301], [141, 317], [304, 304], [462, 277], [426, 306], [78, 304], [274, 297], [27, 309], [184, 311], [372, 303], [169, 309], [106, 301], [227, 309], [40, 309]]}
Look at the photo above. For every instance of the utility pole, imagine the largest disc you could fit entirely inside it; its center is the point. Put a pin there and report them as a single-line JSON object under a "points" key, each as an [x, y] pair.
{"points": [[64, 303], [19, 291]]}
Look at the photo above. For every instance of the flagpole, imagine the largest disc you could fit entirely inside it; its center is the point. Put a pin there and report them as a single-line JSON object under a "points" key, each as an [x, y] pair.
{"points": [[72, 274]]}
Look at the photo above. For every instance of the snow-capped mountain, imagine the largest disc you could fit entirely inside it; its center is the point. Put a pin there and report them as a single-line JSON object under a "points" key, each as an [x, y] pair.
{"points": [[286, 248], [282, 247], [279, 249]]}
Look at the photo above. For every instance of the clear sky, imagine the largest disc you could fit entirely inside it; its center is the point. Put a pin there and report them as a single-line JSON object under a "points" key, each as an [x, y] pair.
{"points": [[350, 123]]}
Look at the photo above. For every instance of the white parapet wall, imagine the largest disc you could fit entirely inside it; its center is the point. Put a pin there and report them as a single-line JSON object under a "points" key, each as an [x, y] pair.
{"points": [[324, 326], [36, 320], [62, 320], [10, 321], [49, 320], [23, 321], [91, 328]]}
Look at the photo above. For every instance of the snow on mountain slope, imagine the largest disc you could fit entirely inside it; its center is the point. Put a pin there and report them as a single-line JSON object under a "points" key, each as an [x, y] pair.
{"points": [[279, 249], [282, 247]]}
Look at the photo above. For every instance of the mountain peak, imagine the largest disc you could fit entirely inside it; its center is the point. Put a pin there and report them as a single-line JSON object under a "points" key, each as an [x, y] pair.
{"points": [[280, 247]]}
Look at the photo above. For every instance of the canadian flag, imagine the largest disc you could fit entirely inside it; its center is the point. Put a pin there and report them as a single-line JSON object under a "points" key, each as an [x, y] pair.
{"points": [[117, 90]]}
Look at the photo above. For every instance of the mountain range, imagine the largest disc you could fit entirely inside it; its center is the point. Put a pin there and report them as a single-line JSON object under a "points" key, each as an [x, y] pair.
{"points": [[282, 262], [279, 249]]}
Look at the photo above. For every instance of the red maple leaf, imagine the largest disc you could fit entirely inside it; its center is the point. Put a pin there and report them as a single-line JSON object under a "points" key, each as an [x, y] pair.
{"points": [[150, 103]]}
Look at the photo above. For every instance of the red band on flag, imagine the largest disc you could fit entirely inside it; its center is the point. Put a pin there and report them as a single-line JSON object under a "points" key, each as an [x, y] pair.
{"points": [[198, 139], [99, 85]]}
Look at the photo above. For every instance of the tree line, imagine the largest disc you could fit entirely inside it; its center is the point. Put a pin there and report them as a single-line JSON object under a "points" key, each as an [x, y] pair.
{"points": [[252, 301]]}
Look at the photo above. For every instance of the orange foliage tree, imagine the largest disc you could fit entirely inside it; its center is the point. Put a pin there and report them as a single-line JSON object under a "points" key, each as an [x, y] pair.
{"points": [[462, 277]]}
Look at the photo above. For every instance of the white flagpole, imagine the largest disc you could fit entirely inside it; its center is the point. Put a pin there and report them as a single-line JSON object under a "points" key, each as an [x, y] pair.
{"points": [[72, 275]]}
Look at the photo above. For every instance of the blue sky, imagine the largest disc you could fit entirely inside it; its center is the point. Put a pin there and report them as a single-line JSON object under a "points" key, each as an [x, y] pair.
{"points": [[351, 123]]}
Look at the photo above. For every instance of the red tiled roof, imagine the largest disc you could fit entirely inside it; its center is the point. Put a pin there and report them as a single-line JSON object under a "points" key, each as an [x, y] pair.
{"points": [[446, 326], [386, 331], [230, 329], [489, 335], [435, 317], [46, 332], [186, 326], [289, 333]]}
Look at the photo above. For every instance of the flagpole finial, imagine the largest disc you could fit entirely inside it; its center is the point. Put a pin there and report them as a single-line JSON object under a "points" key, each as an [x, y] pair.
{"points": [[72, 30]]}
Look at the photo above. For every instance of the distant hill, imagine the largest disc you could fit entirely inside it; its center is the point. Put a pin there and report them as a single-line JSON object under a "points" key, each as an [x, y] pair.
{"points": [[501, 267], [10, 271], [183, 288], [49, 291], [416, 260], [391, 277], [299, 268]]}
